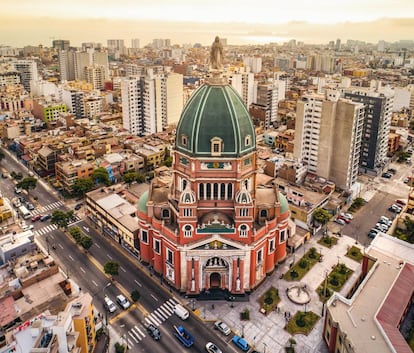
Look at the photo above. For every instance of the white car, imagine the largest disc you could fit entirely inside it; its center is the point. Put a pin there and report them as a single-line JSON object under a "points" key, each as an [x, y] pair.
{"points": [[123, 302], [212, 348], [346, 215], [222, 327], [340, 221], [110, 305], [382, 227]]}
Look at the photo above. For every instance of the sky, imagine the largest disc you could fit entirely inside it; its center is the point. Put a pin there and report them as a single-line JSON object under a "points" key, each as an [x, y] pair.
{"points": [[28, 22]]}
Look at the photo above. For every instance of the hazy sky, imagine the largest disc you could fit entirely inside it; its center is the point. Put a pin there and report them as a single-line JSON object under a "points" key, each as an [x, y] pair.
{"points": [[25, 22]]}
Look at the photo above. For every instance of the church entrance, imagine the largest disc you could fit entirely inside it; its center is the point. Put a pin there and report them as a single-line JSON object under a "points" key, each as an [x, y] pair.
{"points": [[215, 280]]}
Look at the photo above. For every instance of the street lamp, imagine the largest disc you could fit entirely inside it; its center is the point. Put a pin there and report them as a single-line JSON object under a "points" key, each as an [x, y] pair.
{"points": [[264, 347], [338, 259], [47, 242]]}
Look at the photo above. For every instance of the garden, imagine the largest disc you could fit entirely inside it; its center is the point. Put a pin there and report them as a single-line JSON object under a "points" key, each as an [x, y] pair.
{"points": [[269, 300], [302, 322], [328, 241], [355, 254], [334, 281], [301, 268]]}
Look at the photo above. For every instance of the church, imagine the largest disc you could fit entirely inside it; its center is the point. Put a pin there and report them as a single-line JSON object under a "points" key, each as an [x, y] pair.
{"points": [[207, 225]]}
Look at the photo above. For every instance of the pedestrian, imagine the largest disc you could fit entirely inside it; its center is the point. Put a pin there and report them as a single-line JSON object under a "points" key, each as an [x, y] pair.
{"points": [[212, 306]]}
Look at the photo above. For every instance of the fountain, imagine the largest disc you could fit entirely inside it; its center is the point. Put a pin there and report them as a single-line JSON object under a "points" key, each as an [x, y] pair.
{"points": [[299, 294]]}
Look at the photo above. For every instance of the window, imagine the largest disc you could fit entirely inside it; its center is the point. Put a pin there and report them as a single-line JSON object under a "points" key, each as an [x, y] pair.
{"points": [[188, 231], [259, 259], [216, 146], [157, 246], [184, 140], [201, 191], [282, 237], [243, 231], [170, 257], [244, 212], [188, 212], [144, 236], [165, 213], [271, 246], [263, 213], [247, 140]]}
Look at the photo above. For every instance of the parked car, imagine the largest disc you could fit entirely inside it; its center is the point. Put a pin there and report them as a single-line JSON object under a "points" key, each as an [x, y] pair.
{"points": [[346, 220], [386, 175], [400, 203], [212, 348], [392, 171], [36, 218], [241, 343], [346, 215], [30, 206], [340, 221], [27, 227], [17, 190], [381, 227], [123, 302], [78, 206], [372, 233], [222, 327], [394, 208], [154, 332], [109, 304]]}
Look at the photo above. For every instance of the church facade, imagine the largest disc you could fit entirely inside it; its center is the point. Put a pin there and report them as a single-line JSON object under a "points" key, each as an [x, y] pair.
{"points": [[207, 224]]}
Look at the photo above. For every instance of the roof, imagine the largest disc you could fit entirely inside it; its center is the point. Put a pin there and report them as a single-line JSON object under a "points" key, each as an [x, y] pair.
{"points": [[215, 111]]}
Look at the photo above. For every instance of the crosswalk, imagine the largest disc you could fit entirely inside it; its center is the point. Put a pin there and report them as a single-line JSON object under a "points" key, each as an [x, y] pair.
{"points": [[45, 209], [51, 227], [157, 317]]}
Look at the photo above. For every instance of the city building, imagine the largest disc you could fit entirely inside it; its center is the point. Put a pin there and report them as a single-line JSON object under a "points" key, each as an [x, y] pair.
{"points": [[265, 106], [28, 72], [207, 227], [370, 314], [60, 44], [326, 124]]}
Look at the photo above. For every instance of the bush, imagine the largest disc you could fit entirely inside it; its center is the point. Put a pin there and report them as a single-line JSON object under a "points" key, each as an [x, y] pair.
{"points": [[245, 314], [293, 274], [303, 263], [135, 295], [119, 348]]}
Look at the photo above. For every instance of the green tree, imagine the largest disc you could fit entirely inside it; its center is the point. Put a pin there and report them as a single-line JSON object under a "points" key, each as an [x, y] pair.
{"points": [[61, 219], [82, 186], [168, 161], [27, 184], [76, 233], [111, 268], [86, 242], [130, 177], [100, 175], [321, 216]]}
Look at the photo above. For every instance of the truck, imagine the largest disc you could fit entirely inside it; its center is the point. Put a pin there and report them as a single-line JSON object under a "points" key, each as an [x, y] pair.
{"points": [[184, 336], [24, 212]]}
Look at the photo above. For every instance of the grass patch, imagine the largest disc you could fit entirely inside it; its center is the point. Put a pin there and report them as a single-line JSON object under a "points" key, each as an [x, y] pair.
{"points": [[303, 266], [355, 254], [334, 282], [328, 241], [269, 300], [302, 323]]}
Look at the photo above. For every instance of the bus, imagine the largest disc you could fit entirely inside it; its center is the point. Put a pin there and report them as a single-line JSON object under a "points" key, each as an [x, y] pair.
{"points": [[24, 212]]}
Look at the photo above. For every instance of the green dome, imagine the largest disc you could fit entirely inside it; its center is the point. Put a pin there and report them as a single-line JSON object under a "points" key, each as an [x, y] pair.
{"points": [[142, 203], [284, 204], [215, 113]]}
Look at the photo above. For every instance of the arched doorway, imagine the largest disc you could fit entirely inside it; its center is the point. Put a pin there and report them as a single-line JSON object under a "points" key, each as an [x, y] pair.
{"points": [[215, 280]]}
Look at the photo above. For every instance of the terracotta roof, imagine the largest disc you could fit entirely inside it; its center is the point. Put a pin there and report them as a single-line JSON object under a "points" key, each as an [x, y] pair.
{"points": [[7, 312], [394, 307]]}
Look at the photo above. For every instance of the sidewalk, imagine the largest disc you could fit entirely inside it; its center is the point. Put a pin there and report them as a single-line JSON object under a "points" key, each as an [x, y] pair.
{"points": [[267, 333]]}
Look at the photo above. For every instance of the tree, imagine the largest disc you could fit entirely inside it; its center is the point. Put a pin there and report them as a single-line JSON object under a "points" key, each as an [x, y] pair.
{"points": [[135, 295], [86, 242], [130, 177], [321, 216], [168, 161], [61, 219], [82, 186], [27, 184], [111, 268], [76, 233], [100, 175]]}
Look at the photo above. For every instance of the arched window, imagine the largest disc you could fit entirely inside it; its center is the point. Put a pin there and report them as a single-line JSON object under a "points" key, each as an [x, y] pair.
{"points": [[208, 192], [201, 191], [188, 231], [216, 146], [223, 191], [263, 213], [215, 191], [229, 191], [247, 140], [184, 140], [243, 230], [165, 213]]}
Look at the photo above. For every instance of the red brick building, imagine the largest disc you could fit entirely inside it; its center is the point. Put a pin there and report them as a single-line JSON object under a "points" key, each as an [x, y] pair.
{"points": [[209, 226]]}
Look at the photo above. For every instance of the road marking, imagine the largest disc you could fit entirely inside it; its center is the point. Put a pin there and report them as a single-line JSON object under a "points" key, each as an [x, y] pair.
{"points": [[130, 343], [153, 297], [96, 284], [70, 257], [137, 328], [164, 310], [133, 337], [154, 318], [122, 268], [82, 270], [137, 283], [97, 245], [109, 256], [161, 315], [138, 334]]}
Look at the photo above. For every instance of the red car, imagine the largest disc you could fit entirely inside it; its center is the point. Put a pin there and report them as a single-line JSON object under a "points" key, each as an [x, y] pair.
{"points": [[36, 218], [346, 220]]}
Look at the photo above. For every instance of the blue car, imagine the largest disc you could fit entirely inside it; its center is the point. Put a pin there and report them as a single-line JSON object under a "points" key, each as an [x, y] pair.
{"points": [[241, 343]]}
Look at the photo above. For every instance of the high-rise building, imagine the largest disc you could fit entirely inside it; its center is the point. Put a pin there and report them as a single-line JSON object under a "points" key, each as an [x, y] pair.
{"points": [[95, 74], [67, 65], [152, 102], [377, 122], [326, 124], [267, 102], [116, 46], [254, 63], [82, 59], [74, 100], [243, 83], [28, 72], [60, 44], [135, 43]]}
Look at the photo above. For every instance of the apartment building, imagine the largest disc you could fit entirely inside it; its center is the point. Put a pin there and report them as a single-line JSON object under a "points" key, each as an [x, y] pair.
{"points": [[28, 72]]}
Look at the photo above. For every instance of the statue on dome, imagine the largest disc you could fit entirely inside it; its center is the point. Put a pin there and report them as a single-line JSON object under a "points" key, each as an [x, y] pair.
{"points": [[216, 54]]}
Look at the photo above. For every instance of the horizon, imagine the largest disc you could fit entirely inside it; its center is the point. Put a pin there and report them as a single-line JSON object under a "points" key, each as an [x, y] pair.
{"points": [[185, 21]]}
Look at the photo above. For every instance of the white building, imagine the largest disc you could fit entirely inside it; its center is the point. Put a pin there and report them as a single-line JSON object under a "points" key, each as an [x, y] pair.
{"points": [[28, 72]]}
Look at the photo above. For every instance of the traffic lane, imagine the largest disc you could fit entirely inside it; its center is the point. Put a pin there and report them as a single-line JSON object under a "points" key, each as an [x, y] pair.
{"points": [[367, 216]]}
